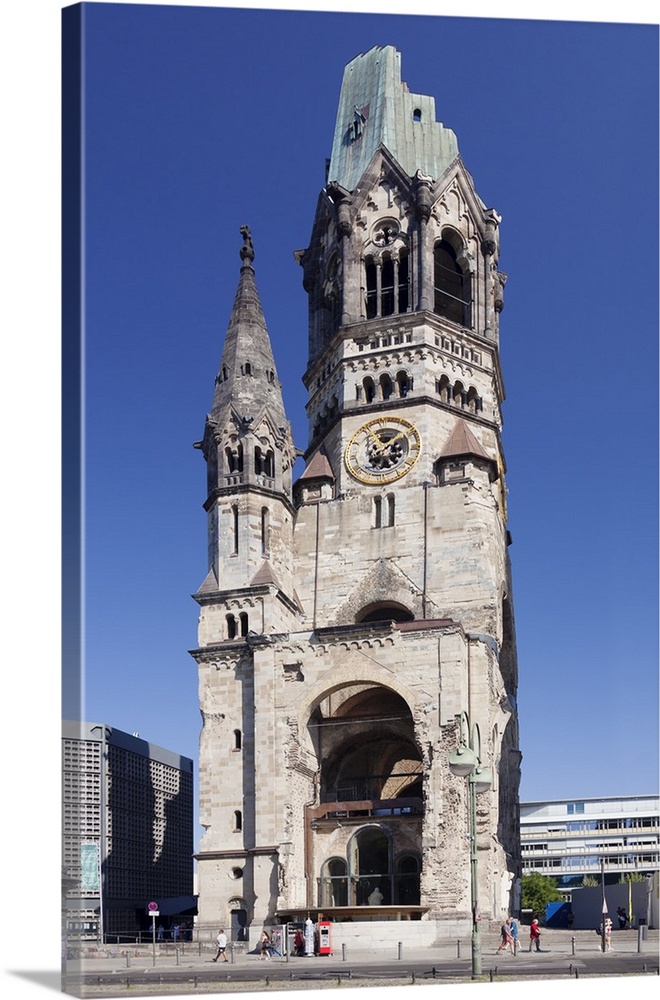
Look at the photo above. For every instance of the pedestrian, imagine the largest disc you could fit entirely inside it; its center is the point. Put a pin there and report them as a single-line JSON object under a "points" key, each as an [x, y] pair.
{"points": [[221, 942], [298, 943], [513, 929], [506, 940], [276, 943], [535, 935], [608, 934], [265, 945], [160, 933], [623, 918], [175, 932]]}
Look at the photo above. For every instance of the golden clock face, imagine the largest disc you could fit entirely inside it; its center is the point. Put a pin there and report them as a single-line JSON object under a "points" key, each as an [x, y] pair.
{"points": [[383, 450]]}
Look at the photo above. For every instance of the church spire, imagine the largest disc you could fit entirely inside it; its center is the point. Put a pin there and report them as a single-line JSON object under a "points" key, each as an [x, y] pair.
{"points": [[247, 380]]}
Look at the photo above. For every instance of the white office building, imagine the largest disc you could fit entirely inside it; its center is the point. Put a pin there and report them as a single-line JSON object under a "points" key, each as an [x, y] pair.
{"points": [[571, 838]]}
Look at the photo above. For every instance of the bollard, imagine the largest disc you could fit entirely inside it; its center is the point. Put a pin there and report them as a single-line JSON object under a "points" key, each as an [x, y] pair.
{"points": [[231, 952], [573, 944], [400, 950], [413, 977], [491, 974], [458, 948], [639, 939], [343, 952], [128, 960], [577, 972], [177, 957]]}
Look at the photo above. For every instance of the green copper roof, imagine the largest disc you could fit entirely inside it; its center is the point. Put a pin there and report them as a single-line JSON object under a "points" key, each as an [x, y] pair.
{"points": [[376, 107]]}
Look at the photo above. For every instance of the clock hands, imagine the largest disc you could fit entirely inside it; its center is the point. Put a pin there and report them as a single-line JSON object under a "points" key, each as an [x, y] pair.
{"points": [[382, 450], [380, 444]]}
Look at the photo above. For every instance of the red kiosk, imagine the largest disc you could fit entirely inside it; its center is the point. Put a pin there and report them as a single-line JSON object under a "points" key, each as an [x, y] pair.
{"points": [[325, 937]]}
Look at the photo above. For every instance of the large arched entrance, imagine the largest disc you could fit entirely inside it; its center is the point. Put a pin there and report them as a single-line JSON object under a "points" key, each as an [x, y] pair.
{"points": [[366, 829]]}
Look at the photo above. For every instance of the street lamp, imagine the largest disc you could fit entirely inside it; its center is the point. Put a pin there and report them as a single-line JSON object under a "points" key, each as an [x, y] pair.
{"points": [[465, 762]]}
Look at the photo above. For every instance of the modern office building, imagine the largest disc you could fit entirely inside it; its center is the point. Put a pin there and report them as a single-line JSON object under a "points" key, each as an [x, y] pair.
{"points": [[127, 831], [571, 838], [356, 627]]}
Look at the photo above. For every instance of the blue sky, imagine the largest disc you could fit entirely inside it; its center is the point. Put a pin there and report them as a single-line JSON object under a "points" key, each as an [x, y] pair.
{"points": [[201, 119]]}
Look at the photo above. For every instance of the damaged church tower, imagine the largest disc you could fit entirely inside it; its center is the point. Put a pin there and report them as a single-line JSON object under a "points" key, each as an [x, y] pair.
{"points": [[349, 621]]}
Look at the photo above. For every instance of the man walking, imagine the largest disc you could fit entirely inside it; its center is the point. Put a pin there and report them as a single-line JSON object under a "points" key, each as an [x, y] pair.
{"points": [[513, 931], [221, 942]]}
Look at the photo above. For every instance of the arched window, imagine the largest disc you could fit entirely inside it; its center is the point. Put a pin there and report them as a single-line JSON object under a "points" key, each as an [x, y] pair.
{"points": [[369, 389], [451, 284], [244, 623], [387, 287], [238, 821], [378, 512], [386, 284], [458, 394], [386, 388], [334, 882], [443, 388], [372, 288], [237, 739], [403, 282], [269, 464], [234, 458], [474, 401], [265, 524], [231, 626], [383, 511], [390, 510], [370, 851], [404, 383], [406, 880], [385, 611]]}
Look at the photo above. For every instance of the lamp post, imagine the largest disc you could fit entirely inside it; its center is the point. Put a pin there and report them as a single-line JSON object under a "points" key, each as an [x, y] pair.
{"points": [[465, 762], [604, 906]]}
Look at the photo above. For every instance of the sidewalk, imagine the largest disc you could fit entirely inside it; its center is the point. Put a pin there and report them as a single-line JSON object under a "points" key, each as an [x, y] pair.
{"points": [[554, 945]]}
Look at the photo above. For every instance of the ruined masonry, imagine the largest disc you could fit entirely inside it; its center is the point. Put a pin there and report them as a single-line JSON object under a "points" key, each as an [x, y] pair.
{"points": [[348, 619]]}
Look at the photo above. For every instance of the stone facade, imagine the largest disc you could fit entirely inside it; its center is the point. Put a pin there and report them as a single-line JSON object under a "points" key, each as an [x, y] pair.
{"points": [[349, 619]]}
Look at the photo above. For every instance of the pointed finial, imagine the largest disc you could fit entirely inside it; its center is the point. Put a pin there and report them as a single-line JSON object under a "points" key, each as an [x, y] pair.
{"points": [[247, 250]]}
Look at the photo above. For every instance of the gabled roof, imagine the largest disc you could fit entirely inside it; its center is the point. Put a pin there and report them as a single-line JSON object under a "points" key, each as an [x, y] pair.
{"points": [[462, 442], [319, 466], [265, 575], [210, 584]]}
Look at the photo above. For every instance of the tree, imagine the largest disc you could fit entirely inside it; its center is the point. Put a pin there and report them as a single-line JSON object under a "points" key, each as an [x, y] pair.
{"points": [[537, 891]]}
